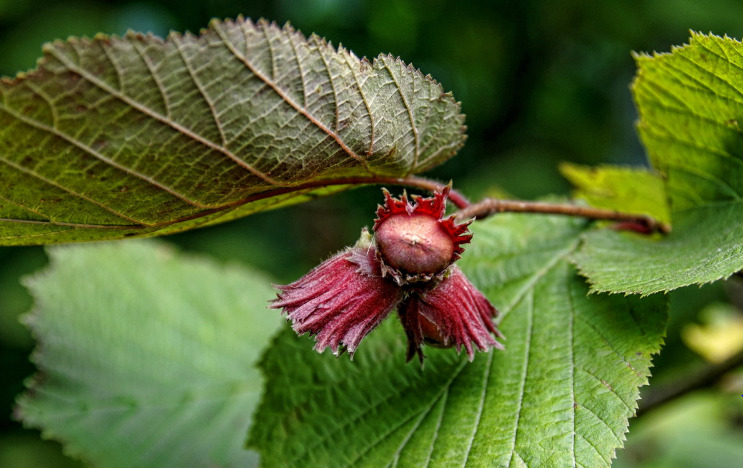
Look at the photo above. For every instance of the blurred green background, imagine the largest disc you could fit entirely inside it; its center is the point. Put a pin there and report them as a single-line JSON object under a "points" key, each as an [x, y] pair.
{"points": [[540, 82]]}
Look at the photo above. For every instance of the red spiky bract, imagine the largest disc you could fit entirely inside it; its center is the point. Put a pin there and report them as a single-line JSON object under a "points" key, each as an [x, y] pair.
{"points": [[340, 301], [453, 313]]}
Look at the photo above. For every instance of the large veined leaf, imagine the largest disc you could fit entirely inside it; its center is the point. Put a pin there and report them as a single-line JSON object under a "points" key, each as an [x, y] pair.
{"points": [[559, 395], [691, 108], [131, 136], [146, 357]]}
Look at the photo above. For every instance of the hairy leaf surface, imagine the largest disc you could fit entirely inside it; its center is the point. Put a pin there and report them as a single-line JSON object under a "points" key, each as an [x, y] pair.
{"points": [[559, 395], [691, 108], [132, 136], [146, 357]]}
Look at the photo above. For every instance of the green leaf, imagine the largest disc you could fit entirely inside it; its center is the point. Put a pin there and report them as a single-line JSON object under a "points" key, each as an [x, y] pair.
{"points": [[135, 136], [704, 246], [626, 189], [690, 103], [146, 357], [559, 395]]}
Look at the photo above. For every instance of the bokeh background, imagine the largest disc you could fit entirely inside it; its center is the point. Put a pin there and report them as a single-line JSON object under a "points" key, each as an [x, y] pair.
{"points": [[541, 83]]}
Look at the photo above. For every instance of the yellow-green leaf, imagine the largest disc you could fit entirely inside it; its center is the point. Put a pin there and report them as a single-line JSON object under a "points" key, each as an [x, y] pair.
{"points": [[626, 189], [691, 104]]}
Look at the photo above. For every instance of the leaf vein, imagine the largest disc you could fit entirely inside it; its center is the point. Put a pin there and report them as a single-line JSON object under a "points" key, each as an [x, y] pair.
{"points": [[367, 104], [87, 149], [201, 89], [724, 59], [688, 110], [424, 415], [39, 234], [606, 424], [571, 332], [68, 190], [52, 222], [300, 69], [413, 127], [481, 406], [155, 77], [159, 117], [438, 427], [595, 449], [539, 274], [114, 65], [284, 97], [689, 79], [269, 47], [371, 409], [607, 386], [49, 101], [524, 374], [336, 123], [610, 345]]}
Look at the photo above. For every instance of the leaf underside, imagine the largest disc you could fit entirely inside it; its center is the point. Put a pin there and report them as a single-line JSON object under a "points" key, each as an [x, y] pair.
{"points": [[136, 136], [691, 111], [559, 395], [145, 357]]}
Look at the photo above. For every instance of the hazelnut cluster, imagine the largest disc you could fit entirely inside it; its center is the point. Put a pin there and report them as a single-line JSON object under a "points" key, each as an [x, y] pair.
{"points": [[409, 265]]}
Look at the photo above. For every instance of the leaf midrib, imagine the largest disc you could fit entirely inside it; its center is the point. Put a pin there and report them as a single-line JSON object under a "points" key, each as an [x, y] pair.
{"points": [[284, 97], [528, 287]]}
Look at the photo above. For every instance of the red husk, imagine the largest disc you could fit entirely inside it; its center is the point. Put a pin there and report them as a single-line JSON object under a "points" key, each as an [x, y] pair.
{"points": [[344, 298], [461, 314], [340, 301]]}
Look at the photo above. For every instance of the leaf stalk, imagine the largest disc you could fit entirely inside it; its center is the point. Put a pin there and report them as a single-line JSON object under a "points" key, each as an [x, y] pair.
{"points": [[490, 206]]}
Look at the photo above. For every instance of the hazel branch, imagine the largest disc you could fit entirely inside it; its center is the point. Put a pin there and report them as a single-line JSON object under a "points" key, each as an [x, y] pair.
{"points": [[489, 206], [429, 185]]}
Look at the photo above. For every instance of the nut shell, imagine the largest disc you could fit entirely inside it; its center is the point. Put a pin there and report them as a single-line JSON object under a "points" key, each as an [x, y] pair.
{"points": [[415, 244], [414, 240]]}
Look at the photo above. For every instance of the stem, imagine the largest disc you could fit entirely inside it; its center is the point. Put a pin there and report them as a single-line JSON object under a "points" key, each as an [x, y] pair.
{"points": [[429, 185], [489, 206], [479, 210], [705, 378]]}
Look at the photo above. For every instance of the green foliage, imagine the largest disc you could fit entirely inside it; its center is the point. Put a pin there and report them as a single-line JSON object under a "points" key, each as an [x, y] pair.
{"points": [[146, 356], [690, 102], [559, 395], [629, 190], [117, 137]]}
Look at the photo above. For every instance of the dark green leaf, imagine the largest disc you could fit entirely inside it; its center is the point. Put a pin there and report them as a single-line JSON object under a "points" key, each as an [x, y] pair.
{"points": [[559, 395], [115, 137]]}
